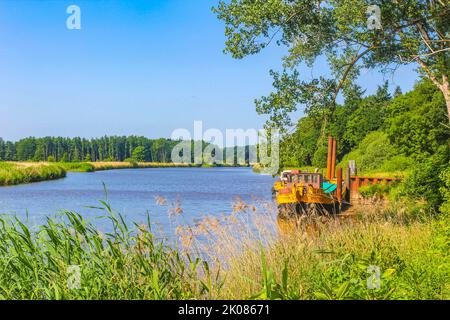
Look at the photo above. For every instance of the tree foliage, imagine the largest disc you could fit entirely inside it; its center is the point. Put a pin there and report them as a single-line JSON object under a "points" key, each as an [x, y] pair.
{"points": [[76, 149], [138, 154], [410, 31], [367, 117], [416, 121]]}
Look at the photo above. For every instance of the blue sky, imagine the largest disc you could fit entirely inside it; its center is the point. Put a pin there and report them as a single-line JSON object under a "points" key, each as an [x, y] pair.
{"points": [[135, 67]]}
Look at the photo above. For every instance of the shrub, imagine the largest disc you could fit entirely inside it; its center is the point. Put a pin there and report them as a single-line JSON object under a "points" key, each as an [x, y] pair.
{"points": [[320, 157], [132, 162], [77, 166], [445, 190], [379, 190], [397, 163], [372, 152], [426, 179], [65, 157], [138, 154]]}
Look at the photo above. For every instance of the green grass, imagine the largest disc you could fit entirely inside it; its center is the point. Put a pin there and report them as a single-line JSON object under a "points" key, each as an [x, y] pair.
{"points": [[12, 174], [77, 166], [121, 264], [331, 261], [100, 166]]}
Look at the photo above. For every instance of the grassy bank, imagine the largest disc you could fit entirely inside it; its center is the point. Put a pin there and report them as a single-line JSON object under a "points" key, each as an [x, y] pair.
{"points": [[18, 173], [12, 173], [335, 259], [36, 264], [322, 258], [100, 166]]}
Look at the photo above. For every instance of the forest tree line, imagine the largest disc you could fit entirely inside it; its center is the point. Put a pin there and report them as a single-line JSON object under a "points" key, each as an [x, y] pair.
{"points": [[113, 148], [404, 128]]}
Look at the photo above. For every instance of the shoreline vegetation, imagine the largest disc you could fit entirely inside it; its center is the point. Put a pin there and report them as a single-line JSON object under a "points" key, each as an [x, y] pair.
{"points": [[22, 173], [319, 258], [14, 173]]}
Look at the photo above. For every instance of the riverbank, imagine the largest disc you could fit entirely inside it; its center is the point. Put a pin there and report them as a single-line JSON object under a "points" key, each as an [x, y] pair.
{"points": [[101, 166], [20, 173], [375, 254], [104, 165], [405, 257]]}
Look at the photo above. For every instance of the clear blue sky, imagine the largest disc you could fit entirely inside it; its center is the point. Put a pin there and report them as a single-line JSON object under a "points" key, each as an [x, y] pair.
{"points": [[135, 67]]}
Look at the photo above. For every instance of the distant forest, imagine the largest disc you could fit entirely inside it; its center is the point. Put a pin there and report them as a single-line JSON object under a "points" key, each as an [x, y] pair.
{"points": [[113, 148]]}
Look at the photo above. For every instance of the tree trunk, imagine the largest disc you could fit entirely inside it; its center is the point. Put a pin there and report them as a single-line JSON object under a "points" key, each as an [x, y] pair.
{"points": [[445, 88]]}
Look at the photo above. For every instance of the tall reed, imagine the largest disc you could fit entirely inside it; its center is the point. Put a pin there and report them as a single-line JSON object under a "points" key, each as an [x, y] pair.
{"points": [[35, 263], [12, 173]]}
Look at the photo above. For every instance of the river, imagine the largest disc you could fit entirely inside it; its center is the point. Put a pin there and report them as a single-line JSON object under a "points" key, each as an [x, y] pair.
{"points": [[134, 192]]}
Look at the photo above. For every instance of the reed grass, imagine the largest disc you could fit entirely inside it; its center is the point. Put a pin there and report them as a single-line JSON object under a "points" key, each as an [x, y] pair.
{"points": [[18, 173], [77, 166], [321, 257], [37, 263], [248, 254], [98, 166], [13, 173]]}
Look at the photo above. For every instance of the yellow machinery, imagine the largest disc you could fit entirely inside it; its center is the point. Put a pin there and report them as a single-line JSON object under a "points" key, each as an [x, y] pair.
{"points": [[297, 190]]}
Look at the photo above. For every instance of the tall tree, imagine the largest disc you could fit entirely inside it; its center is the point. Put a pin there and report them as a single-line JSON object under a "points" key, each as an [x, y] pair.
{"points": [[351, 34], [138, 154]]}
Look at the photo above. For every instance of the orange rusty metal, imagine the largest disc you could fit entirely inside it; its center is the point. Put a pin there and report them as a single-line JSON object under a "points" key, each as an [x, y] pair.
{"points": [[285, 191], [347, 183], [357, 182], [339, 185], [333, 159], [330, 148]]}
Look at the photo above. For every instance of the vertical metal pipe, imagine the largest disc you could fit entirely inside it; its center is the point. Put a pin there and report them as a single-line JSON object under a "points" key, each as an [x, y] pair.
{"points": [[330, 148], [339, 185], [348, 184], [333, 159]]}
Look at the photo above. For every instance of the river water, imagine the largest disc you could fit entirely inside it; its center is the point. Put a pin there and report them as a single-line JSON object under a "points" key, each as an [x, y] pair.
{"points": [[198, 192]]}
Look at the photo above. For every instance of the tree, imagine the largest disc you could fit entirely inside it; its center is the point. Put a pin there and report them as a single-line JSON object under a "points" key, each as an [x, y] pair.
{"points": [[138, 154], [298, 149], [397, 92], [353, 100], [415, 120], [113, 148], [39, 153], [2, 150], [75, 155], [368, 117], [372, 152], [65, 157], [351, 34], [10, 151], [26, 149]]}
